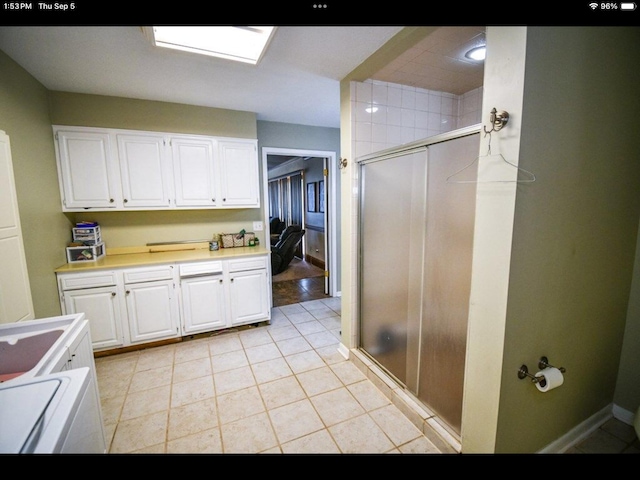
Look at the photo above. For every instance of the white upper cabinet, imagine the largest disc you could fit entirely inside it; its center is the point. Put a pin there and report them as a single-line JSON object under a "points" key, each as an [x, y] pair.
{"points": [[85, 168], [144, 168], [239, 173], [194, 172], [113, 169]]}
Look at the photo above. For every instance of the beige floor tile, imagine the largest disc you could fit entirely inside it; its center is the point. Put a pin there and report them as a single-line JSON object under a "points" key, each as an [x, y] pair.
{"points": [[397, 427], [304, 361], [191, 350], [322, 339], [191, 369], [140, 432], [312, 326], [360, 435], [283, 333], [192, 391], [294, 308], [156, 357], [262, 353], [331, 322], [336, 406], [330, 354], [348, 372], [281, 392], [223, 343], [155, 377], [318, 380], [229, 361], [254, 337], [368, 395], [293, 345], [231, 380], [295, 420], [111, 408], [207, 441], [300, 317], [239, 404], [138, 404], [249, 435], [419, 445], [192, 418], [316, 443], [112, 383], [271, 370]]}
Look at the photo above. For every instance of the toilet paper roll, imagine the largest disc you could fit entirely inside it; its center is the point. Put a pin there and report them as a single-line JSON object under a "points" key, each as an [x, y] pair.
{"points": [[553, 378]]}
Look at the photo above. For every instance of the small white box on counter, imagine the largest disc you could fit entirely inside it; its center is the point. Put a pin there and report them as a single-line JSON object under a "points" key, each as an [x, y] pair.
{"points": [[87, 235], [85, 253]]}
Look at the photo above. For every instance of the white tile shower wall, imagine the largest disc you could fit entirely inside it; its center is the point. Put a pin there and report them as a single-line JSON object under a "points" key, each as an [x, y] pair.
{"points": [[387, 114]]}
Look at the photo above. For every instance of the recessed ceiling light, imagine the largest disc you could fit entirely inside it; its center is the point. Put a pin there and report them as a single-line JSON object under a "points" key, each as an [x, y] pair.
{"points": [[371, 109], [477, 53], [242, 44]]}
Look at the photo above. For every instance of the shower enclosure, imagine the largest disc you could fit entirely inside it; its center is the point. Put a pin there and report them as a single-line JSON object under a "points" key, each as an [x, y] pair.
{"points": [[415, 250]]}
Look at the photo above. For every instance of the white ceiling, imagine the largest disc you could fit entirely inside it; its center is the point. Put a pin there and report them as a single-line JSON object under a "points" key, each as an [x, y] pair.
{"points": [[297, 81]]}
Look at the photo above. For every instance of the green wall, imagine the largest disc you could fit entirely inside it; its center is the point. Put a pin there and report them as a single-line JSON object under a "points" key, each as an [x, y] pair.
{"points": [[24, 116], [575, 229]]}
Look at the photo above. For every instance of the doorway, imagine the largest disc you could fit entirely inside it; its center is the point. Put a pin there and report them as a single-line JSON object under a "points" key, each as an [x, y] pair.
{"points": [[314, 191]]}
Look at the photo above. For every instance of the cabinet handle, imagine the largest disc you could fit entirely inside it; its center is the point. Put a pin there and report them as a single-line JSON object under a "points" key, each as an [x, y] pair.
{"points": [[128, 292], [125, 200], [224, 199], [111, 200], [113, 294], [213, 200]]}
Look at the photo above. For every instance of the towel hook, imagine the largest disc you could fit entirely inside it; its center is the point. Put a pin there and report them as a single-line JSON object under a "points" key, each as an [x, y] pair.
{"points": [[497, 120]]}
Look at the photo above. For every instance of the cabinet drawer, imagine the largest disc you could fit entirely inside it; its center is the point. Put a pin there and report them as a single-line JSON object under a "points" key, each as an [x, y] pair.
{"points": [[254, 263], [150, 274], [87, 280], [198, 269]]}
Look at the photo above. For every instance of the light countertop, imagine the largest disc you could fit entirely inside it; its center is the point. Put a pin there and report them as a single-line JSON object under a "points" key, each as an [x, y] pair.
{"points": [[157, 258]]}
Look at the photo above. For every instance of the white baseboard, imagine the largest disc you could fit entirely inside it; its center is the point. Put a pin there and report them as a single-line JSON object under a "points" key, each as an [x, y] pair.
{"points": [[586, 428]]}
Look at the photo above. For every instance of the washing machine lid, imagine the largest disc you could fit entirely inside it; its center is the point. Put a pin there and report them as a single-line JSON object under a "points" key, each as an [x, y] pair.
{"points": [[23, 405]]}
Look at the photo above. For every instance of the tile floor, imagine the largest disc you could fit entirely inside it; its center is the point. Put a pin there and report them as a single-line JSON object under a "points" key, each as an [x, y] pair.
{"points": [[278, 388], [614, 436]]}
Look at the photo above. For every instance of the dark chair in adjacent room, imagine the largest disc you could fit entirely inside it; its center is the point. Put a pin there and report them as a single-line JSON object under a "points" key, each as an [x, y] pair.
{"points": [[283, 252], [276, 227]]}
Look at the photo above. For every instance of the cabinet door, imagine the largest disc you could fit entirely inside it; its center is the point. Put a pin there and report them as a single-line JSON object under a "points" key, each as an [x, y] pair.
{"points": [[101, 307], [203, 304], [249, 296], [15, 292], [152, 311], [239, 174], [86, 171], [145, 172], [195, 177]]}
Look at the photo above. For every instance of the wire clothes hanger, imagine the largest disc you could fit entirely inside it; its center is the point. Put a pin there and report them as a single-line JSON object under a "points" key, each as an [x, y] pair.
{"points": [[498, 120]]}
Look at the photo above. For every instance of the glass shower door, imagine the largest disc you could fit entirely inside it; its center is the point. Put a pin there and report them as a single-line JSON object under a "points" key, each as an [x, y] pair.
{"points": [[416, 243]]}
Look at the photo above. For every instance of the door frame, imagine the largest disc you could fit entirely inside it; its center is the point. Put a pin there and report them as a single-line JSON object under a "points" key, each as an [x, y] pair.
{"points": [[330, 238]]}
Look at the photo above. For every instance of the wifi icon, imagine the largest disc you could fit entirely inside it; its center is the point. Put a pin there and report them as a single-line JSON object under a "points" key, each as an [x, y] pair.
{"points": [[593, 5]]}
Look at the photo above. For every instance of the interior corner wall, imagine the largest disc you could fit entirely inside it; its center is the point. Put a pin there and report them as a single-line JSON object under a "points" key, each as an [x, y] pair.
{"points": [[24, 116]]}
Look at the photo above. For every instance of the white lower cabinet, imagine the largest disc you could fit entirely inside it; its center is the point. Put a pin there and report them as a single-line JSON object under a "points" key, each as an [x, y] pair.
{"points": [[99, 297], [167, 301], [152, 305], [248, 290], [223, 294]]}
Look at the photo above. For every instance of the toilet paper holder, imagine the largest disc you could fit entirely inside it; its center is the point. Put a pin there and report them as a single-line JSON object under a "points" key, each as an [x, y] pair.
{"points": [[542, 363]]}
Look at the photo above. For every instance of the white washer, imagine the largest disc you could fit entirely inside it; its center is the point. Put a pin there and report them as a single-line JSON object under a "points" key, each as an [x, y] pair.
{"points": [[55, 413]]}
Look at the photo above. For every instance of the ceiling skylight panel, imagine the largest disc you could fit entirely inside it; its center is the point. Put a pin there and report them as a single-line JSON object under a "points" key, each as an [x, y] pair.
{"points": [[242, 44]]}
